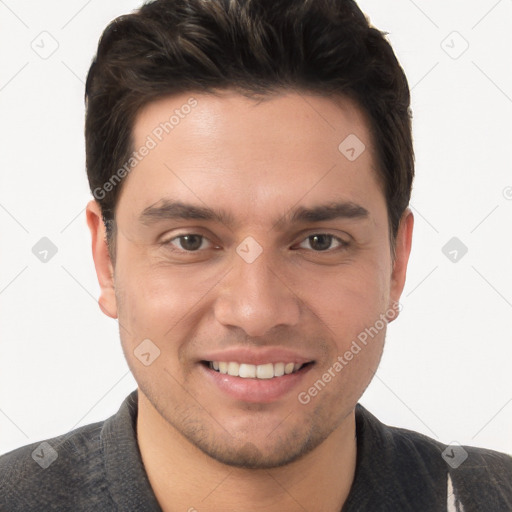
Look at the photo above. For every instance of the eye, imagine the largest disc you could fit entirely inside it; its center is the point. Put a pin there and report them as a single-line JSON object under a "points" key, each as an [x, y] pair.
{"points": [[189, 242], [323, 242]]}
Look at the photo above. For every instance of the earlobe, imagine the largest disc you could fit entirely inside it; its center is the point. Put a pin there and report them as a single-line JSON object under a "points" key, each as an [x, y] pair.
{"points": [[402, 251], [102, 261]]}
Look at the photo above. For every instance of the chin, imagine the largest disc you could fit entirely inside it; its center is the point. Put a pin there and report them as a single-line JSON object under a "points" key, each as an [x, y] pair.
{"points": [[249, 456]]}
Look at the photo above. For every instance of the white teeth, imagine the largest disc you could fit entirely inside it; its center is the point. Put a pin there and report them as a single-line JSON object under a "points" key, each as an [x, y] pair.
{"points": [[247, 371], [265, 371], [251, 371], [233, 369], [278, 369]]}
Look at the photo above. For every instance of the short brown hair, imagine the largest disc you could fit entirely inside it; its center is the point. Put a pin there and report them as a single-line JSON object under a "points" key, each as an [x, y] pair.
{"points": [[255, 47]]}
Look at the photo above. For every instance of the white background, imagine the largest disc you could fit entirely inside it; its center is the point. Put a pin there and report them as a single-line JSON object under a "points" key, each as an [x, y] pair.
{"points": [[446, 367]]}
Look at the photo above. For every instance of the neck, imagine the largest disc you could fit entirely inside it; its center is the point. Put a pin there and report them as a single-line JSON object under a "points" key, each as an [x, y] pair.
{"points": [[183, 478]]}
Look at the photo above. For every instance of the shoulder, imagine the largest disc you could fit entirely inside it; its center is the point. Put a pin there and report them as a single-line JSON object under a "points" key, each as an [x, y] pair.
{"points": [[65, 470], [462, 459], [480, 477]]}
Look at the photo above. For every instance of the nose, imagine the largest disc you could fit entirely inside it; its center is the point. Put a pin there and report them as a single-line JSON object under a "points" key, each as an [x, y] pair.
{"points": [[255, 297]]}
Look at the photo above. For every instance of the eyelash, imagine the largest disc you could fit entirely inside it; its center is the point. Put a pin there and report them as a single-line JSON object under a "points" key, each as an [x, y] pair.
{"points": [[342, 243]]}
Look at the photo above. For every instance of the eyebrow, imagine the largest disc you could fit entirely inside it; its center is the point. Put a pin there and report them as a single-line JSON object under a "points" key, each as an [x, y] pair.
{"points": [[173, 210]]}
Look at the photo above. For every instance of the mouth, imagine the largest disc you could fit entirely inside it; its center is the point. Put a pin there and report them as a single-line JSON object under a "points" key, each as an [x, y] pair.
{"points": [[251, 383], [255, 375], [264, 371]]}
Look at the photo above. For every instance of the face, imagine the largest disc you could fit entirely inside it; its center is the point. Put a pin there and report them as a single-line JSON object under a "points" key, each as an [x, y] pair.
{"points": [[249, 243]]}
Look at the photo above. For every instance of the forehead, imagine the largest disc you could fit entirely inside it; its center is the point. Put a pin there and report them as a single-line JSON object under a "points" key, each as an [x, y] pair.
{"points": [[228, 117], [288, 148]]}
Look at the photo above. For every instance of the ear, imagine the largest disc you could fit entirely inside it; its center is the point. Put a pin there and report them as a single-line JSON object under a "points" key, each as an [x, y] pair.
{"points": [[402, 251], [102, 262]]}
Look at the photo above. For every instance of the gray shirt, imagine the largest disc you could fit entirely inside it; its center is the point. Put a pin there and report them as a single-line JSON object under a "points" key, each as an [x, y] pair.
{"points": [[98, 467]]}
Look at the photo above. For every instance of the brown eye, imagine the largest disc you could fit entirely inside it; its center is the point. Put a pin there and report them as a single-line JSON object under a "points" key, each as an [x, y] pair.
{"points": [[322, 242], [190, 242]]}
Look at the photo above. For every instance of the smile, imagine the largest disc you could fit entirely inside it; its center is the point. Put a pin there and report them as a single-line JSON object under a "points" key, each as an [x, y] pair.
{"points": [[252, 371]]}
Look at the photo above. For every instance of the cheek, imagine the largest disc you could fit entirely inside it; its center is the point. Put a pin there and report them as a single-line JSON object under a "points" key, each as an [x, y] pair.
{"points": [[352, 310], [152, 308], [156, 301], [151, 303], [349, 300]]}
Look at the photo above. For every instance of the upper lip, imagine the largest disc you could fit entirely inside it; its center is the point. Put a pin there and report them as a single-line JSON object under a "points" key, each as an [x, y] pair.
{"points": [[257, 356]]}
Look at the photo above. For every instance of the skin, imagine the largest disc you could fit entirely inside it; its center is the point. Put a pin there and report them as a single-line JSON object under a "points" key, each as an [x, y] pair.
{"points": [[203, 449]]}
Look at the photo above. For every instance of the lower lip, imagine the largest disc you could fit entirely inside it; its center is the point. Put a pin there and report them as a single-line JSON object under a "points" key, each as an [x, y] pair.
{"points": [[256, 390]]}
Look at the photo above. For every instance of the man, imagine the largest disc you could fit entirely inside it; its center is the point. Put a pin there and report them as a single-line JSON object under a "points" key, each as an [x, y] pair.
{"points": [[251, 164]]}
